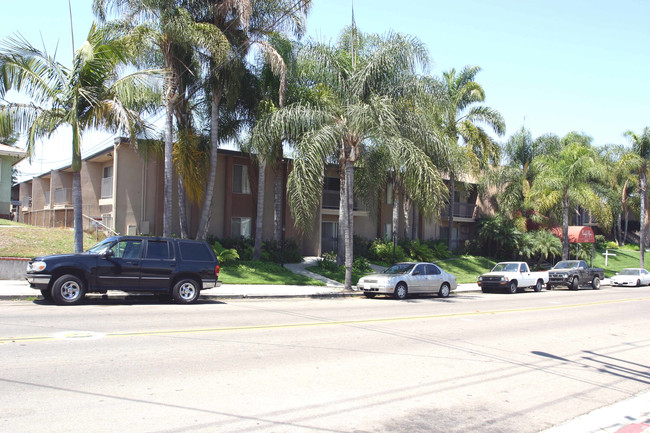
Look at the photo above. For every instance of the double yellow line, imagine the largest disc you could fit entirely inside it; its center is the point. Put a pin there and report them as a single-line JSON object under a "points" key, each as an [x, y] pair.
{"points": [[80, 335]]}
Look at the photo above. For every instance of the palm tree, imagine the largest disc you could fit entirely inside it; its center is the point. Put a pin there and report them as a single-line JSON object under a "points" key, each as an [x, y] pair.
{"points": [[569, 179], [244, 23], [639, 160], [356, 82], [88, 95], [169, 38], [461, 120]]}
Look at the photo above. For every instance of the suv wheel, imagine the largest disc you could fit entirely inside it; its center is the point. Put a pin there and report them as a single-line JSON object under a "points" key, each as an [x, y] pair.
{"points": [[186, 291], [68, 289]]}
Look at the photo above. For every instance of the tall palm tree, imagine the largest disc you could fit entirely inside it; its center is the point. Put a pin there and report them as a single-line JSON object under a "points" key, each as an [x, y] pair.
{"points": [[356, 80], [169, 38], [244, 23], [462, 120], [87, 95], [639, 159], [569, 179]]}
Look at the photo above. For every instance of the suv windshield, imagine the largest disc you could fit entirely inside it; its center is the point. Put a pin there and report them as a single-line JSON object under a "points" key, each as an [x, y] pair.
{"points": [[400, 268], [99, 247]]}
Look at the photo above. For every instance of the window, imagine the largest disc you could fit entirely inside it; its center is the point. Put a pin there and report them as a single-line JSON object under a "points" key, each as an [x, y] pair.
{"points": [[389, 193], [240, 227], [158, 250], [196, 251], [127, 249], [108, 171], [433, 270], [332, 184], [240, 184], [419, 270]]}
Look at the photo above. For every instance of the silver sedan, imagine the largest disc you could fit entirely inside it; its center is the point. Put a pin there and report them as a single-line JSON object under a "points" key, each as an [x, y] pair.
{"points": [[403, 279]]}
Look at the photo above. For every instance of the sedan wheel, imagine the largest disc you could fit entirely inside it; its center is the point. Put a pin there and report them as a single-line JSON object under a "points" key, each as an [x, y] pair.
{"points": [[186, 291], [638, 283], [444, 290], [401, 291]]}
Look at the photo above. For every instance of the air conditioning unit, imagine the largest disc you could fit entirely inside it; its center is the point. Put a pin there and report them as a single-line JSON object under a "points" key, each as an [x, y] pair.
{"points": [[131, 230]]}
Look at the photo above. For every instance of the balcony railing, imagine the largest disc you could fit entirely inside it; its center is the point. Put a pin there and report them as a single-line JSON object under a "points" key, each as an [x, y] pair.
{"points": [[63, 196], [107, 187], [461, 210], [332, 199]]}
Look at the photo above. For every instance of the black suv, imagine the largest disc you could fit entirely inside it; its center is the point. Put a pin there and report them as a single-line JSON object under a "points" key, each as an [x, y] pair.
{"points": [[178, 267]]}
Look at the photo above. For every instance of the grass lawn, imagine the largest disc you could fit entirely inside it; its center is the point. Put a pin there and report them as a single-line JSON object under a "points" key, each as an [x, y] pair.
{"points": [[21, 240], [626, 257], [339, 274], [256, 272], [466, 268]]}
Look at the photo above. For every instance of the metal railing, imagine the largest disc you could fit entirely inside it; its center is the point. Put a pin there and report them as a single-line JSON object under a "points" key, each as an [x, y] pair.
{"points": [[461, 210], [96, 223], [332, 199]]}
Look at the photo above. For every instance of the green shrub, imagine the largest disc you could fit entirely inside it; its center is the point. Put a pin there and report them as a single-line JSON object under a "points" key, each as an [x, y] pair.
{"points": [[361, 265], [382, 250], [611, 245], [415, 250], [225, 255], [327, 262]]}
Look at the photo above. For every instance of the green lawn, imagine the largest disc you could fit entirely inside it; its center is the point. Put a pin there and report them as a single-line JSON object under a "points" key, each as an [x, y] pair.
{"points": [[21, 240], [256, 272], [338, 275], [626, 257], [467, 268]]}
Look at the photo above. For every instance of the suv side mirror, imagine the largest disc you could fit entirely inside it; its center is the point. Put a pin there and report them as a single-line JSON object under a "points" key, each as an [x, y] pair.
{"points": [[108, 254]]}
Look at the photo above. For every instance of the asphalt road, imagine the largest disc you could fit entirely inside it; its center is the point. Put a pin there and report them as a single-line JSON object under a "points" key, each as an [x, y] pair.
{"points": [[472, 362]]}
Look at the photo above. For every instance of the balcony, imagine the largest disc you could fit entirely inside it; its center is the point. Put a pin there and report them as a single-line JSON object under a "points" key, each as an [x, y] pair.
{"points": [[63, 196], [107, 187], [461, 210], [331, 200]]}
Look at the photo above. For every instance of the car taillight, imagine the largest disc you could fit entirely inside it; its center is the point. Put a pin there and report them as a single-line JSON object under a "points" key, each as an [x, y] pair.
{"points": [[216, 271]]}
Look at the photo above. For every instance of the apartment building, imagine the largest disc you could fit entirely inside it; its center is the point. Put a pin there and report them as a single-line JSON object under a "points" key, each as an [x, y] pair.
{"points": [[123, 192], [9, 156]]}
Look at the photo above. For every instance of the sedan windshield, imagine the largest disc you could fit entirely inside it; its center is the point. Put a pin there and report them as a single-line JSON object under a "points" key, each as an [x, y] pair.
{"points": [[100, 246], [629, 272], [400, 268]]}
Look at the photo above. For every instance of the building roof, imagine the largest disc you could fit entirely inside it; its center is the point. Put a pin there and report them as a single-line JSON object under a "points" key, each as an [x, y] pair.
{"points": [[15, 152]]}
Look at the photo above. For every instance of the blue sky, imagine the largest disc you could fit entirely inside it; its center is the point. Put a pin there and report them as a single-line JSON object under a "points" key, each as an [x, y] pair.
{"points": [[553, 66]]}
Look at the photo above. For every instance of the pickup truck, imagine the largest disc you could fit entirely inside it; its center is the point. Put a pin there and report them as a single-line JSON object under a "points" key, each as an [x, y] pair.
{"points": [[512, 276], [573, 274], [176, 267]]}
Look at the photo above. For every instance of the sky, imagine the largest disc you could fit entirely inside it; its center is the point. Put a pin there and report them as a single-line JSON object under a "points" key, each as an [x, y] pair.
{"points": [[551, 66]]}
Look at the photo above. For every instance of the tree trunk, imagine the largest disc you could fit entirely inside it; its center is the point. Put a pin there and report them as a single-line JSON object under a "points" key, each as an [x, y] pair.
{"points": [[206, 210], [395, 221], [416, 223], [343, 217], [277, 202], [627, 219], [257, 251], [349, 227], [643, 192], [182, 207], [565, 229], [77, 212], [408, 234], [167, 187], [452, 195]]}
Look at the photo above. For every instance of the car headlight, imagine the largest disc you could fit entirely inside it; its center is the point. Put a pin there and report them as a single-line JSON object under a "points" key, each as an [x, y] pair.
{"points": [[565, 275], [504, 278], [37, 266], [480, 278]]}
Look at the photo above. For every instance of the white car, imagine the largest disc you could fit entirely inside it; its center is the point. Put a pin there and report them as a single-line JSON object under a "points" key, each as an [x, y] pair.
{"points": [[403, 279], [631, 277]]}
